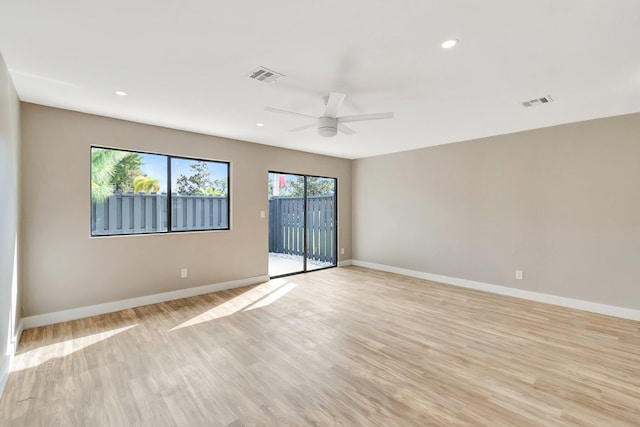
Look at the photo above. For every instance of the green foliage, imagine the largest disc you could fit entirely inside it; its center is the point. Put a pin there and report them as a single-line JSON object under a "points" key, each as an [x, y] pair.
{"points": [[200, 181], [219, 188], [103, 164], [115, 170], [145, 184], [126, 171], [316, 186]]}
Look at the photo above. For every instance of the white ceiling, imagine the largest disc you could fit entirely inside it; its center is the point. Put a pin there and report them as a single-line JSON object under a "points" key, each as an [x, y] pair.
{"points": [[185, 65]]}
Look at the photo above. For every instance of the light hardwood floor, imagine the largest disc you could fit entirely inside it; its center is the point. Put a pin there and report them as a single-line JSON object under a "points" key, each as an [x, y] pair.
{"points": [[346, 346]]}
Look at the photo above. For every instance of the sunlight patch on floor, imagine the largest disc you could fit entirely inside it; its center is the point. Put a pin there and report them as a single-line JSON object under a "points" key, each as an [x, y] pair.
{"points": [[258, 296], [272, 297], [40, 355]]}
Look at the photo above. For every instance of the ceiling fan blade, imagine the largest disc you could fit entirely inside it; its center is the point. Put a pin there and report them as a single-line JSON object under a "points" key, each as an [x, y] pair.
{"points": [[346, 130], [302, 127], [289, 113], [362, 117], [333, 104]]}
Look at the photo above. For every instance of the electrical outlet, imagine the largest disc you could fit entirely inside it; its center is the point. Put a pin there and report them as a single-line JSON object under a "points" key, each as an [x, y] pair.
{"points": [[184, 273], [519, 274], [341, 251], [262, 214]]}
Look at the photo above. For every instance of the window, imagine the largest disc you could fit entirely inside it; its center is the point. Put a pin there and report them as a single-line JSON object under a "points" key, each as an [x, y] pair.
{"points": [[140, 193]]}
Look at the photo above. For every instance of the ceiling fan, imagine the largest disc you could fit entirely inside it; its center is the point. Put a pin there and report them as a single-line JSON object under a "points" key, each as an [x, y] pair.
{"points": [[329, 123]]}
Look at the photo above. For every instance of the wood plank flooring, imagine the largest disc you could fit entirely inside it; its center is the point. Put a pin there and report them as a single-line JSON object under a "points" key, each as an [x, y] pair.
{"points": [[346, 346]]}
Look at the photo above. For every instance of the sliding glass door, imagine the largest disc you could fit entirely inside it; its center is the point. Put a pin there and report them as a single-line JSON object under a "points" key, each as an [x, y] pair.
{"points": [[321, 222], [302, 223], [286, 224]]}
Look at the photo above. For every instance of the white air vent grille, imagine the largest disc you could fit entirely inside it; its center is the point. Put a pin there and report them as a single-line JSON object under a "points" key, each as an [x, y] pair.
{"points": [[537, 101], [265, 76]]}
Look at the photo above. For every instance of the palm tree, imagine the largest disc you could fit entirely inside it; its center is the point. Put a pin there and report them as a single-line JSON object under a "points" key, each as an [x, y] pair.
{"points": [[103, 164], [146, 184]]}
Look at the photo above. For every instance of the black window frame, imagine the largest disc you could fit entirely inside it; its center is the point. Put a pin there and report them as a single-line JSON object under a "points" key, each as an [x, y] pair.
{"points": [[170, 193]]}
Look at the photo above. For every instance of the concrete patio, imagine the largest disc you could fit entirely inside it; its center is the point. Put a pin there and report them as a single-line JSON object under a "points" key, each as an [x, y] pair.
{"points": [[280, 264]]}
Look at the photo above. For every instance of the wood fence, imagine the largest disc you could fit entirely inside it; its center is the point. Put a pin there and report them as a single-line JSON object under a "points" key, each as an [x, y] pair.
{"points": [[286, 227], [129, 213]]}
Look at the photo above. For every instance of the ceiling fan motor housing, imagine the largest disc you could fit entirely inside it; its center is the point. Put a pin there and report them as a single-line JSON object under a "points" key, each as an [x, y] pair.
{"points": [[327, 126]]}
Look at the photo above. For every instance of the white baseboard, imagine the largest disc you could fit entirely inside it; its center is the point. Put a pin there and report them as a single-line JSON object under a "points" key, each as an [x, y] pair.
{"points": [[18, 335], [609, 310], [110, 307], [344, 263]]}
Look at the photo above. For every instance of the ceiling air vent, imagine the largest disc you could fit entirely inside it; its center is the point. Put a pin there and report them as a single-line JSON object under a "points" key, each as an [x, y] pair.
{"points": [[265, 75], [537, 101]]}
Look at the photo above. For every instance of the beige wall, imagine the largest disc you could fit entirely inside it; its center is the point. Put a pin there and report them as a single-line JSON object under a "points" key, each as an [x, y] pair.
{"points": [[65, 268], [562, 204], [559, 203], [9, 215]]}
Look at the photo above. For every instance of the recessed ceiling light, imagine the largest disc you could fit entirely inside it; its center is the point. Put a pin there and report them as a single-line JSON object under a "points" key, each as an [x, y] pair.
{"points": [[449, 44], [259, 124], [120, 93]]}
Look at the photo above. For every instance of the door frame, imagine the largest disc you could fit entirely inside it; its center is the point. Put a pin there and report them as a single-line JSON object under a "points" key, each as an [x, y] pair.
{"points": [[304, 231]]}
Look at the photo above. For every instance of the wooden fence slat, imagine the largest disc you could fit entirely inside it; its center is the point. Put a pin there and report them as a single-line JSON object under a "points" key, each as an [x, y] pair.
{"points": [[206, 213], [271, 204], [291, 226], [181, 217], [148, 213], [134, 213], [198, 221], [285, 224], [333, 247], [289, 219], [295, 218], [190, 212], [311, 228], [278, 228], [157, 214], [286, 227], [319, 236], [113, 214], [195, 205], [321, 230], [97, 209], [137, 215], [326, 230], [224, 209], [318, 230], [93, 217], [299, 227], [175, 213], [126, 213]]}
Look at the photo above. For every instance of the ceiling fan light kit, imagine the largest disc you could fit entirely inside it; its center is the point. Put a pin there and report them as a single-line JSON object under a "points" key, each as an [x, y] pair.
{"points": [[329, 124]]}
